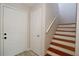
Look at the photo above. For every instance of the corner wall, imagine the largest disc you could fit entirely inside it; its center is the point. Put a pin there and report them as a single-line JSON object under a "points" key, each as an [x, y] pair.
{"points": [[77, 33], [67, 12]]}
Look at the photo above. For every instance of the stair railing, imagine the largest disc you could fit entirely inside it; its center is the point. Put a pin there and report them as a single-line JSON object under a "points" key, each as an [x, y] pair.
{"points": [[53, 21]]}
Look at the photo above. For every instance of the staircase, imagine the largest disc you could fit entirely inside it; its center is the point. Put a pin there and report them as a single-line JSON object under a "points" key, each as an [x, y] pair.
{"points": [[63, 42]]}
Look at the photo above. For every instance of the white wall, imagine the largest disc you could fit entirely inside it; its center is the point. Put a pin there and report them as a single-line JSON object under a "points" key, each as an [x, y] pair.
{"points": [[51, 11], [67, 12], [48, 12], [19, 6], [0, 29], [77, 33]]}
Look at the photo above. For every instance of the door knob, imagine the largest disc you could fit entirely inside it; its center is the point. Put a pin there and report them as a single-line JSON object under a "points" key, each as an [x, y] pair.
{"points": [[5, 34], [38, 35], [5, 37]]}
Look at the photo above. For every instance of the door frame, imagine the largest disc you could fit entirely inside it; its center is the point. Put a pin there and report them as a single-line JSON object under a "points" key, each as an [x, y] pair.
{"points": [[31, 35], [42, 30], [2, 27], [2, 31]]}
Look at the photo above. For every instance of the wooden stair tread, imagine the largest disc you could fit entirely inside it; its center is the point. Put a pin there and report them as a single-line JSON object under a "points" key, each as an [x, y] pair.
{"points": [[58, 52], [68, 24], [66, 30], [64, 40], [66, 27], [63, 43], [63, 46], [65, 35]]}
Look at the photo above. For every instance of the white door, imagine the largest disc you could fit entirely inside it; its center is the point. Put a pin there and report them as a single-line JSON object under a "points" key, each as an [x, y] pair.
{"points": [[14, 27], [36, 31]]}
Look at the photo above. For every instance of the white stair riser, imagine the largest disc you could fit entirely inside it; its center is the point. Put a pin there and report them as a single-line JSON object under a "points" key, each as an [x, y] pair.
{"points": [[67, 33], [72, 25], [67, 29], [65, 37], [52, 53], [64, 43]]}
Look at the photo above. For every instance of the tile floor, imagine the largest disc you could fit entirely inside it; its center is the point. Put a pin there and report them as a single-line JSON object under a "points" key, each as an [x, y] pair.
{"points": [[27, 53]]}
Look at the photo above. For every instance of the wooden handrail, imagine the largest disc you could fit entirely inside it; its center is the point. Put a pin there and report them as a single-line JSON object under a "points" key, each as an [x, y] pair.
{"points": [[51, 24]]}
